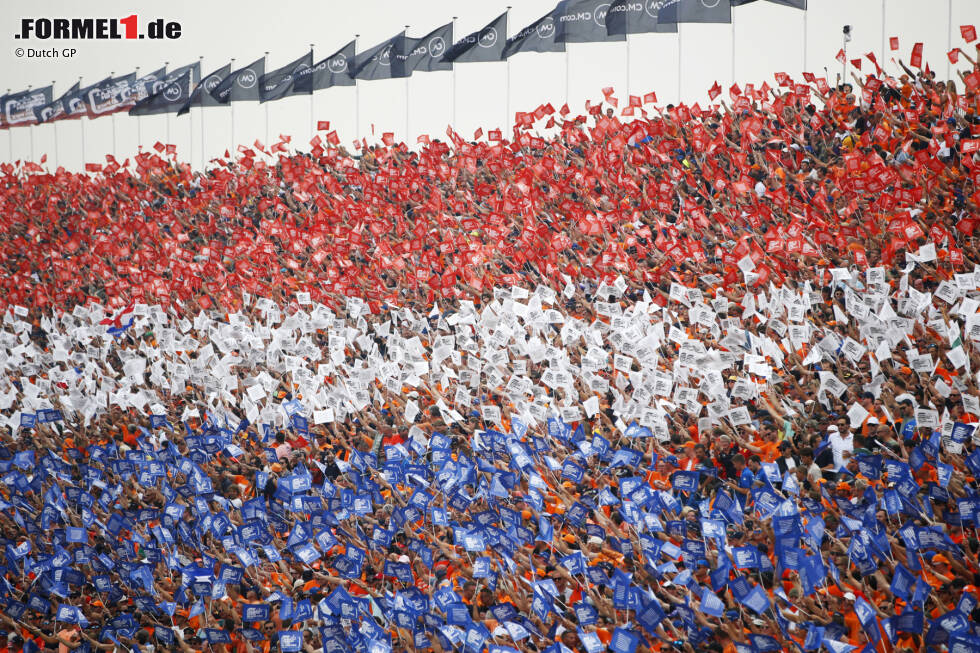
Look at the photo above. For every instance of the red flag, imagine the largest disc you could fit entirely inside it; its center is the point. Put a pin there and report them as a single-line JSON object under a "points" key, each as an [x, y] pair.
{"points": [[322, 125], [840, 55], [388, 138], [916, 59], [332, 138], [856, 63], [969, 33], [714, 91], [649, 98], [954, 55], [477, 134], [893, 42], [564, 111], [635, 101]]}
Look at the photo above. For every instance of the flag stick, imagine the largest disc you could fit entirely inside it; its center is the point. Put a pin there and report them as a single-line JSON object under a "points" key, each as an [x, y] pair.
{"points": [[452, 80], [568, 71], [734, 78], [883, 5], [265, 66], [679, 63], [10, 141], [804, 38], [357, 97], [627, 69], [204, 159], [507, 116], [408, 98], [949, 32], [232, 104], [54, 126], [30, 133], [312, 110], [139, 134]]}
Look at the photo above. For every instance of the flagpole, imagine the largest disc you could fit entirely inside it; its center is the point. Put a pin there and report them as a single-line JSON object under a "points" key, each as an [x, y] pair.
{"points": [[265, 66], [113, 118], [883, 58], [804, 38], [30, 133], [190, 109], [357, 97], [139, 133], [408, 79], [507, 95], [54, 125], [312, 111], [949, 34], [627, 69], [568, 73], [452, 81], [10, 140], [733, 46], [166, 116], [190, 128], [231, 103], [679, 62], [81, 123]]}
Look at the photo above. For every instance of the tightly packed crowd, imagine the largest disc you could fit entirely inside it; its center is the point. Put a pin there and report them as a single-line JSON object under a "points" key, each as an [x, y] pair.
{"points": [[700, 380]]}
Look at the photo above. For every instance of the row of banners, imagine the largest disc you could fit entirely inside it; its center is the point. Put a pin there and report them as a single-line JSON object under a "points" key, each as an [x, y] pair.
{"points": [[176, 91]]}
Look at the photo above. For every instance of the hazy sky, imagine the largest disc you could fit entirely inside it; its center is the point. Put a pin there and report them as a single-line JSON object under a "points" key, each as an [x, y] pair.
{"points": [[764, 38]]}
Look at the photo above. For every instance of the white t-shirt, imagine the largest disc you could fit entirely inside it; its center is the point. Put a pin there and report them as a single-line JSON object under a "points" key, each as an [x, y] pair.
{"points": [[839, 444]]}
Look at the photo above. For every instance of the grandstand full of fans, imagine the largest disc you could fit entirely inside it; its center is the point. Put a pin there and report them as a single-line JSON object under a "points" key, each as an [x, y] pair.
{"points": [[701, 380]]}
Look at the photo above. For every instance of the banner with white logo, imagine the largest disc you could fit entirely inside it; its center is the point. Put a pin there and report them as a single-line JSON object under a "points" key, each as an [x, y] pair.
{"points": [[486, 44], [583, 21], [383, 61], [425, 54], [18, 108], [169, 99], [241, 85], [539, 36], [281, 83], [335, 70], [201, 97], [636, 17]]}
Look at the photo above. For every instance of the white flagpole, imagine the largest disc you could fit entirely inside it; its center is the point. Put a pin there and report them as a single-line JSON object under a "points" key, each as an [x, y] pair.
{"points": [[627, 67], [679, 87], [507, 129], [112, 117], [733, 46], [452, 80], [949, 34], [190, 130], [30, 133], [10, 140], [166, 116], [408, 99], [81, 123], [883, 57], [265, 66], [312, 110], [567, 72], [357, 97], [54, 125], [139, 132], [231, 103], [204, 152], [804, 41]]}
